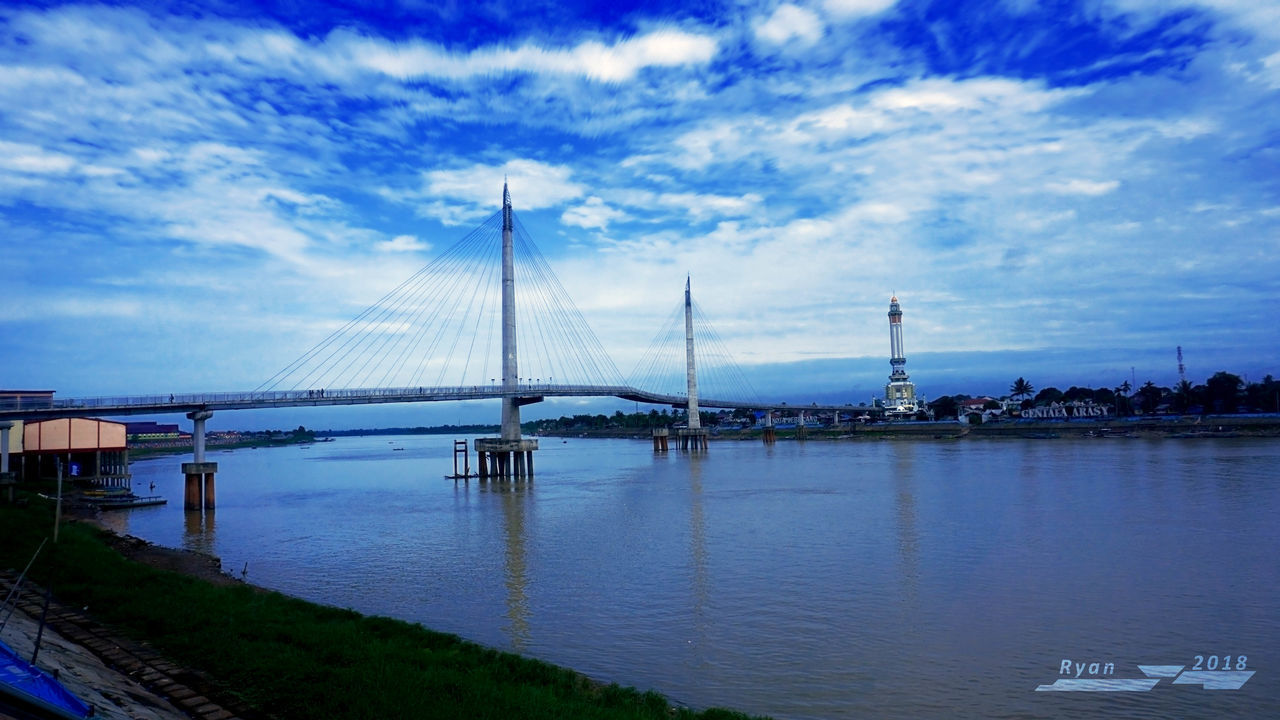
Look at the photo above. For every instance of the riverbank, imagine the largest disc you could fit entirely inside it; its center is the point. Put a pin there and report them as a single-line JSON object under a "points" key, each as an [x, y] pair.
{"points": [[286, 658], [1178, 427]]}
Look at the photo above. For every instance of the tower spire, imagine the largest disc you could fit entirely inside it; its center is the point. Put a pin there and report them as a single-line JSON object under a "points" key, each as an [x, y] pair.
{"points": [[900, 392]]}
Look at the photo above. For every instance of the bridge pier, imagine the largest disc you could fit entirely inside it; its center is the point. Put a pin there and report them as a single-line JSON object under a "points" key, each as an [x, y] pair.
{"points": [[6, 478], [199, 492], [505, 459], [770, 433], [660, 436], [695, 439]]}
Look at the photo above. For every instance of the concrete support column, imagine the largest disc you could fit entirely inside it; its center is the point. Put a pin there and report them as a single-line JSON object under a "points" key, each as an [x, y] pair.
{"points": [[191, 494], [7, 480], [5, 427], [661, 439], [197, 433], [199, 492]]}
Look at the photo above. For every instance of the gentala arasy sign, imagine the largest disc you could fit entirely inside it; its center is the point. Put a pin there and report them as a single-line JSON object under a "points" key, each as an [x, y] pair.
{"points": [[1067, 410]]}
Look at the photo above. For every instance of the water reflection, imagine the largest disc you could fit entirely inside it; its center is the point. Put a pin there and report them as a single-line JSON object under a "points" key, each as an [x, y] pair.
{"points": [[514, 497], [905, 514], [199, 531], [698, 556]]}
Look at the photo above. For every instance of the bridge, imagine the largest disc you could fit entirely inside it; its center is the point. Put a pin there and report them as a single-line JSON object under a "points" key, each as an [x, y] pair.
{"points": [[405, 335], [210, 402]]}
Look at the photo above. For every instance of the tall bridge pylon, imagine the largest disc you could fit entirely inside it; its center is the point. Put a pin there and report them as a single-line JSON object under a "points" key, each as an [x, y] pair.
{"points": [[508, 456]]}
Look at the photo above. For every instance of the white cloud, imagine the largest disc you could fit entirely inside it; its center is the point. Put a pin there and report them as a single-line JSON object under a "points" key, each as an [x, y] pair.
{"points": [[595, 60], [1083, 187], [32, 159], [592, 214], [403, 243], [704, 205], [533, 185], [857, 8], [790, 22]]}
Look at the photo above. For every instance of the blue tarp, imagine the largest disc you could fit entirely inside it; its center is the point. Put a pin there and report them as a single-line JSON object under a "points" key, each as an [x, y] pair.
{"points": [[25, 683]]}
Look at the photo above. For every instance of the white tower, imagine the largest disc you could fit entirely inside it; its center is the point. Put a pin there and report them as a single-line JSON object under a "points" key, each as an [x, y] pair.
{"points": [[900, 392]]}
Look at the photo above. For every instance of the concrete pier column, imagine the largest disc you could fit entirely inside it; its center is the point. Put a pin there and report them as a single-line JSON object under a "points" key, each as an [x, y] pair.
{"points": [[197, 432], [508, 458], [208, 491], [770, 433], [661, 439], [5, 427], [199, 492], [191, 495], [6, 478]]}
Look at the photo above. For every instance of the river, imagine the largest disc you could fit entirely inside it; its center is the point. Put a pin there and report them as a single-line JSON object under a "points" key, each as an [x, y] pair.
{"points": [[821, 579]]}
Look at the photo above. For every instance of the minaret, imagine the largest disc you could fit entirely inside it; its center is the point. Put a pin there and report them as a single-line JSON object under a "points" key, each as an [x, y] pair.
{"points": [[897, 357], [900, 392]]}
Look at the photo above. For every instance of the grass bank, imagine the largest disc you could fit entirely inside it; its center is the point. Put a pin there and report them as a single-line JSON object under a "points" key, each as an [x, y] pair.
{"points": [[294, 659]]}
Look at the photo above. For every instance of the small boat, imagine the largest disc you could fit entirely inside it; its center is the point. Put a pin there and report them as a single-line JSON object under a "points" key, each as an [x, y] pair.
{"points": [[132, 501], [108, 492], [34, 692]]}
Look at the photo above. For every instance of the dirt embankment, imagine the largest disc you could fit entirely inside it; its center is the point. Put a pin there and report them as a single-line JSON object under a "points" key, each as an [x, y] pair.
{"points": [[197, 565]]}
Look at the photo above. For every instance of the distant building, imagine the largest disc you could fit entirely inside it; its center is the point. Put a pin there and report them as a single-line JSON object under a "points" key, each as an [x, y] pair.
{"points": [[25, 399], [150, 431], [900, 393]]}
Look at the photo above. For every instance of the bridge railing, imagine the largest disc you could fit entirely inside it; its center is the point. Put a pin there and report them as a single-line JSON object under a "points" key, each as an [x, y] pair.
{"points": [[303, 396], [185, 402]]}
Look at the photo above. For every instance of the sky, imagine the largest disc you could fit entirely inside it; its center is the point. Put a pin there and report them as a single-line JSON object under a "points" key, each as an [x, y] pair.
{"points": [[192, 194]]}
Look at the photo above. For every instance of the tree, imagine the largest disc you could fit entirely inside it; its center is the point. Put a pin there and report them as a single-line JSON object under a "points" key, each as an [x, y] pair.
{"points": [[1223, 392], [1074, 393], [1048, 395], [1263, 396], [1103, 396], [1183, 396], [945, 407], [1149, 397], [1021, 388]]}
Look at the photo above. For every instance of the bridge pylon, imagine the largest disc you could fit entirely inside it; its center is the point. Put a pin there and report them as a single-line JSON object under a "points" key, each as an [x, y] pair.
{"points": [[693, 436], [508, 456]]}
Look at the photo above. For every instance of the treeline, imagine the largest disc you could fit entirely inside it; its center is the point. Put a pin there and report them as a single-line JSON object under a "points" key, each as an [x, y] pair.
{"points": [[1222, 393], [419, 430]]}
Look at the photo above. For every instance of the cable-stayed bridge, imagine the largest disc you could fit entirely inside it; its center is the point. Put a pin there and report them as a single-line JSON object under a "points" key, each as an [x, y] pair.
{"points": [[450, 332], [433, 339]]}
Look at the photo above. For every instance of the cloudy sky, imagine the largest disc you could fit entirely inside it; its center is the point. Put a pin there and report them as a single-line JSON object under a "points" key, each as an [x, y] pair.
{"points": [[192, 194]]}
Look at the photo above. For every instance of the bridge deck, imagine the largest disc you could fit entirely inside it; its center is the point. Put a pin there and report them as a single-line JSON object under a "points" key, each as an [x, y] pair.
{"points": [[191, 402]]}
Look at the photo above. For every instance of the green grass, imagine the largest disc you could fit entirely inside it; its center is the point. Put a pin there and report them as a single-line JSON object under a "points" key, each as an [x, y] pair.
{"points": [[295, 659]]}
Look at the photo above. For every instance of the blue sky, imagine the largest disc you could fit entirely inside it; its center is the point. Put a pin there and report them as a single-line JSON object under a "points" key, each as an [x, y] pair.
{"points": [[192, 194]]}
